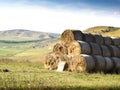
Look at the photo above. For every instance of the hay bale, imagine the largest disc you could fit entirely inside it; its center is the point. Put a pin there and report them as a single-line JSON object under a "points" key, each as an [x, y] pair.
{"points": [[116, 61], [105, 51], [108, 41], [109, 65], [95, 49], [89, 37], [74, 62], [60, 49], [79, 47], [82, 63], [115, 51], [71, 35], [99, 63], [51, 62], [116, 41], [99, 39]]}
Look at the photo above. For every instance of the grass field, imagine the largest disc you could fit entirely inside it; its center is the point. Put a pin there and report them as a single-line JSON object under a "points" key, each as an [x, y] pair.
{"points": [[29, 76], [26, 72]]}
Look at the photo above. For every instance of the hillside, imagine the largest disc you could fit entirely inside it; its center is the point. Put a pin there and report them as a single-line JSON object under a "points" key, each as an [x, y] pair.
{"points": [[105, 30], [25, 35]]}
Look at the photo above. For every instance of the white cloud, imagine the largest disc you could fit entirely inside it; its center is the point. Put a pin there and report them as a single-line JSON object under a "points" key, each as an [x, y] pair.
{"points": [[39, 18]]}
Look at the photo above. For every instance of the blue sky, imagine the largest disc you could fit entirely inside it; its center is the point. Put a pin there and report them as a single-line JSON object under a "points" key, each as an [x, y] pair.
{"points": [[58, 15]]}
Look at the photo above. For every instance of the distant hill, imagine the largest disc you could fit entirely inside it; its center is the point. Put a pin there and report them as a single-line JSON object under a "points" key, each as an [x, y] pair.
{"points": [[104, 30], [25, 35]]}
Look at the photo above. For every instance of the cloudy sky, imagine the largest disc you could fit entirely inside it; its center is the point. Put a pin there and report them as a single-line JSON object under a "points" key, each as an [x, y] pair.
{"points": [[58, 15]]}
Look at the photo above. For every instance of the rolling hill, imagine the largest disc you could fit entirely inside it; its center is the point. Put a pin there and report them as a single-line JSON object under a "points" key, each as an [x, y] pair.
{"points": [[25, 35], [104, 30], [28, 35]]}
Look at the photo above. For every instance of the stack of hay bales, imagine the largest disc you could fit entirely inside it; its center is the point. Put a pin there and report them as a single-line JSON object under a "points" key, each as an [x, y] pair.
{"points": [[84, 52]]}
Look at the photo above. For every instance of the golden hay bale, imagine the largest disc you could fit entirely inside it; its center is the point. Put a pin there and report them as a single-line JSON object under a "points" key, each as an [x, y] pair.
{"points": [[71, 35], [99, 39], [95, 49], [60, 49], [74, 62], [79, 47], [116, 41], [89, 37], [109, 65], [107, 40], [82, 63], [105, 51], [99, 63], [116, 61], [115, 51], [51, 61]]}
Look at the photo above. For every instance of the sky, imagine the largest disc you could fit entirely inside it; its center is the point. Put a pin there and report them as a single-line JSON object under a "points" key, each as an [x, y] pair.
{"points": [[58, 15]]}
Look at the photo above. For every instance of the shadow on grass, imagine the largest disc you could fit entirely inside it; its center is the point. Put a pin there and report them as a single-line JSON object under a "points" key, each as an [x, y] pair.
{"points": [[64, 88]]}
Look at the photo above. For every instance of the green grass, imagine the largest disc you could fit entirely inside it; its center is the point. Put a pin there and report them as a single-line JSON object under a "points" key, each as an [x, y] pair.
{"points": [[29, 76], [9, 52], [12, 49], [15, 44]]}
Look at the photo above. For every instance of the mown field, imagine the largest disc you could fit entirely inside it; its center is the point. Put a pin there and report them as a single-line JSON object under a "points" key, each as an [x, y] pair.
{"points": [[26, 71]]}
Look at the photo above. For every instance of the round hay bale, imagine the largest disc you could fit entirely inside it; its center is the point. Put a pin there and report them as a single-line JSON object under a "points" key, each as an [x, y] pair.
{"points": [[82, 63], [105, 51], [51, 62], [79, 47], [109, 65], [116, 61], [89, 37], [115, 51], [116, 41], [71, 35], [99, 39], [74, 62], [60, 49], [95, 49], [107, 40], [99, 63]]}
